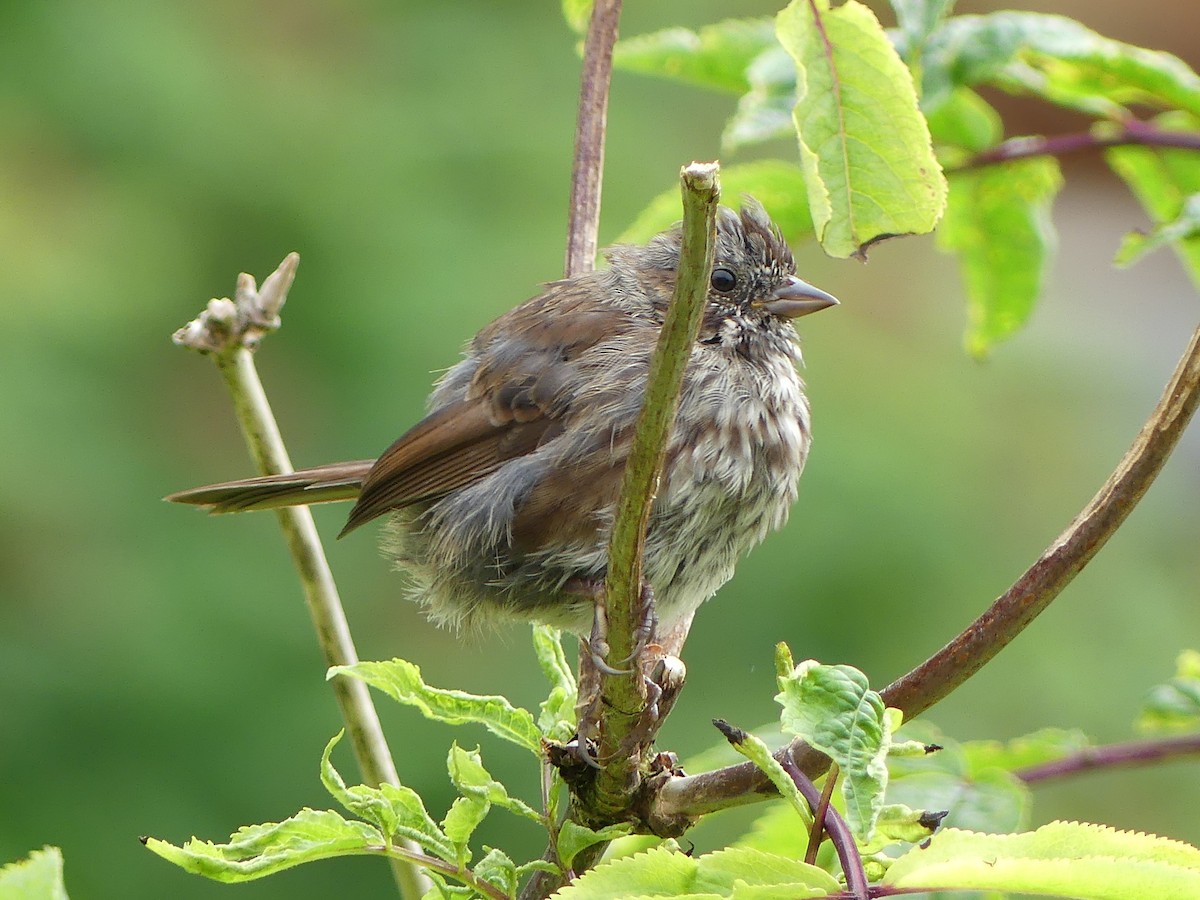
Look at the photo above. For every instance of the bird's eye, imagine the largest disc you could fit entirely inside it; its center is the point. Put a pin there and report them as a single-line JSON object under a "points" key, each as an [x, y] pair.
{"points": [[723, 280]]}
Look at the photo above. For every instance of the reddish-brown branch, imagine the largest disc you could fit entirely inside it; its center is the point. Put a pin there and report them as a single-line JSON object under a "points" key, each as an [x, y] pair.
{"points": [[1062, 560], [1113, 756], [1130, 133], [583, 222]]}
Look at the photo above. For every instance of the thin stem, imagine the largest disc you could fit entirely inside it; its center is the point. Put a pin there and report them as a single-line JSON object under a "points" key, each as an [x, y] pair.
{"points": [[228, 331], [817, 831], [587, 172], [1112, 756], [413, 858], [623, 693], [934, 679], [1130, 133]]}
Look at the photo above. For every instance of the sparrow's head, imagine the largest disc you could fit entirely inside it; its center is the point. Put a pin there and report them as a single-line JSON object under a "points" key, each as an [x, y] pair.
{"points": [[753, 276]]}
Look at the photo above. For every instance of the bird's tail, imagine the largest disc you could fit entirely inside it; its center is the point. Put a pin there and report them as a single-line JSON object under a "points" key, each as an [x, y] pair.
{"points": [[323, 484]]}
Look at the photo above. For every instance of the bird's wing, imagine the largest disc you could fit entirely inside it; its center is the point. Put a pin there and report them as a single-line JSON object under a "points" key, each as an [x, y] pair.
{"points": [[517, 399]]}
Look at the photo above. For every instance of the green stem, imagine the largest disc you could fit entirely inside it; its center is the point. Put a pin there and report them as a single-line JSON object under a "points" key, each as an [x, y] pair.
{"points": [[266, 446], [229, 330], [624, 700]]}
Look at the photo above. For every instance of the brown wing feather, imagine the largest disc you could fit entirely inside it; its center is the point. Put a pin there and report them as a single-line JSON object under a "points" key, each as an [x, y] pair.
{"points": [[515, 402], [450, 448]]}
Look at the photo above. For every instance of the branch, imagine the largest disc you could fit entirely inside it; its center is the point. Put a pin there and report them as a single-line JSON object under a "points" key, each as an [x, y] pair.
{"points": [[1111, 756], [583, 227], [587, 172], [1062, 560], [230, 331], [934, 679], [1100, 137], [623, 693]]}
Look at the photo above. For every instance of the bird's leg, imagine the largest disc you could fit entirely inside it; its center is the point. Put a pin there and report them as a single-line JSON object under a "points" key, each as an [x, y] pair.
{"points": [[644, 631], [598, 641]]}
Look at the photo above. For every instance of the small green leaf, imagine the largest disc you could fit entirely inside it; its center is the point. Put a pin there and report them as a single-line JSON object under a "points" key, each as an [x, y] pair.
{"points": [[393, 809], [717, 56], [784, 661], [834, 709], [401, 680], [979, 796], [1055, 58], [498, 869], [864, 146], [573, 837], [760, 754], [255, 851], [472, 780], [556, 717], [998, 222], [899, 823], [964, 122], [915, 21], [461, 820], [39, 876], [764, 112], [1045, 745], [1063, 859], [1174, 707], [1163, 180], [724, 874], [578, 14]]}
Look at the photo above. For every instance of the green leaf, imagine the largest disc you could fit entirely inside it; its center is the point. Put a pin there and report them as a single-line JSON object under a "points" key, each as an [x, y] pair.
{"points": [[1163, 180], [39, 876], [964, 122], [915, 21], [764, 112], [461, 820], [401, 680], [726, 873], [1175, 706], [573, 837], [578, 14], [957, 778], [1055, 58], [1064, 859], [472, 780], [777, 185], [1043, 746], [255, 851], [759, 753], [834, 709], [899, 823], [717, 56], [557, 717], [864, 146], [777, 831], [498, 869], [998, 222], [393, 809]]}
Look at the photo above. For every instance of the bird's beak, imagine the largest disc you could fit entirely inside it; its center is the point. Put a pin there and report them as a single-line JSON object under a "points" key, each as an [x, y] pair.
{"points": [[798, 298]]}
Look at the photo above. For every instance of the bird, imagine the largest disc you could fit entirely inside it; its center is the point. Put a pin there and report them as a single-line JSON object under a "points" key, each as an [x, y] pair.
{"points": [[501, 499]]}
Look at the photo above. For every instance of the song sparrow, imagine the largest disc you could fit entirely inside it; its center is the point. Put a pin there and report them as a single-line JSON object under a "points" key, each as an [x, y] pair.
{"points": [[502, 497]]}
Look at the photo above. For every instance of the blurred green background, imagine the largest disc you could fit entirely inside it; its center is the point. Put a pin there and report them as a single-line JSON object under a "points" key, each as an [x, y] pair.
{"points": [[157, 670]]}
